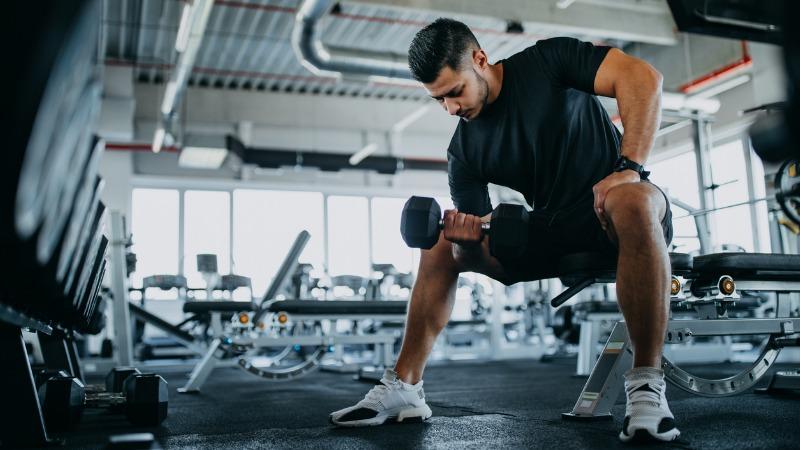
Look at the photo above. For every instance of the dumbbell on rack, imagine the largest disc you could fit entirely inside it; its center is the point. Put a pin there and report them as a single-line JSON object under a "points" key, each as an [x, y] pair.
{"points": [[421, 223], [143, 398]]}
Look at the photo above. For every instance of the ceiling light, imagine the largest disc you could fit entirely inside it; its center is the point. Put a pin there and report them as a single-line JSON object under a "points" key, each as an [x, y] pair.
{"points": [[363, 153], [202, 157], [158, 138], [182, 39]]}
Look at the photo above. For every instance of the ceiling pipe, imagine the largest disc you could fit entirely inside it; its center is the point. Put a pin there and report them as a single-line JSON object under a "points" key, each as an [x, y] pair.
{"points": [[274, 158], [187, 43], [321, 60]]}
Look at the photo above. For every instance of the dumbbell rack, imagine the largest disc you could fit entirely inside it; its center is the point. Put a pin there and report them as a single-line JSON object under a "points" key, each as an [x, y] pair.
{"points": [[51, 226], [26, 425]]}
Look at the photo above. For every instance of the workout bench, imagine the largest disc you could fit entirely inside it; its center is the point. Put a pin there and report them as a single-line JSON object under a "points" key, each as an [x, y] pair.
{"points": [[709, 284]]}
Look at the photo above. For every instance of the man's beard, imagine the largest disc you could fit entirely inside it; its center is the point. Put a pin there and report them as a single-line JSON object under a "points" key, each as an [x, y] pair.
{"points": [[483, 91]]}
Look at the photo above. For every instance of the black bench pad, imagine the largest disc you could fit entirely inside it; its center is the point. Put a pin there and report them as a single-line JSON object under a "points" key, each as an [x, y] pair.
{"points": [[604, 262], [746, 262], [202, 306], [340, 307]]}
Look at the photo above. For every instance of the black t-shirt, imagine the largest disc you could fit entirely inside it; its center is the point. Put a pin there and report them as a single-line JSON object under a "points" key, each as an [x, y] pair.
{"points": [[545, 136]]}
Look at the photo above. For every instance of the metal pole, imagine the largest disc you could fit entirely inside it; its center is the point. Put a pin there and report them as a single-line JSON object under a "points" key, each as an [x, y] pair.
{"points": [[369, 236], [230, 233], [181, 234], [119, 287], [325, 243], [751, 193], [701, 135]]}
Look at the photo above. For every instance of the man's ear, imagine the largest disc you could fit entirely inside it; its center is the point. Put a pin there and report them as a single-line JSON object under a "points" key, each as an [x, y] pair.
{"points": [[479, 58]]}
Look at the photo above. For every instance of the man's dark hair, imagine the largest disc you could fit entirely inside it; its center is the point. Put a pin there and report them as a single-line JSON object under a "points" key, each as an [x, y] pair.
{"points": [[442, 43]]}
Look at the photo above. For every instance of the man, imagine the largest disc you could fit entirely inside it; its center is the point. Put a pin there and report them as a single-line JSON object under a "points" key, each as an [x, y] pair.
{"points": [[532, 123]]}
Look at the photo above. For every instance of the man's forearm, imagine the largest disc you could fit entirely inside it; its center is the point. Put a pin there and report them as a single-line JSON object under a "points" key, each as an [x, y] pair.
{"points": [[639, 101], [469, 253]]}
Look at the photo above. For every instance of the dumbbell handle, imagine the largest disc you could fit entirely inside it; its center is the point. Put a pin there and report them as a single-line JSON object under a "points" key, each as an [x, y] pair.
{"points": [[485, 226], [104, 399]]}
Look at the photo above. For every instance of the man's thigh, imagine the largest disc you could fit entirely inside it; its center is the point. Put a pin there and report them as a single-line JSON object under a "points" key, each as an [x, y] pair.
{"points": [[552, 235]]}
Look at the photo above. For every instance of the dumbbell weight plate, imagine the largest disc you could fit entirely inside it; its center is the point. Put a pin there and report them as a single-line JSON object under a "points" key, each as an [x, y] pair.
{"points": [[115, 380], [509, 232], [92, 294], [91, 223], [41, 376], [84, 303], [147, 399], [420, 222], [74, 145], [87, 265], [62, 399], [787, 187], [66, 296], [42, 173], [96, 321], [85, 197]]}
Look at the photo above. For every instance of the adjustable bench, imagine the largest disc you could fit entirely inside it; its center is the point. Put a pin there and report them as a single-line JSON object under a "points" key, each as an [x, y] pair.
{"points": [[714, 280], [287, 312]]}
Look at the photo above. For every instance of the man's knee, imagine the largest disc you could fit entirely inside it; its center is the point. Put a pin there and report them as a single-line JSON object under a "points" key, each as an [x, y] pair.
{"points": [[635, 205]]}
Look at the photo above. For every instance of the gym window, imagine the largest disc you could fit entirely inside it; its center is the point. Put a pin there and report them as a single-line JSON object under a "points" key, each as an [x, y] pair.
{"points": [[348, 236], [154, 224], [733, 227], [685, 188], [206, 229], [387, 244], [266, 223]]}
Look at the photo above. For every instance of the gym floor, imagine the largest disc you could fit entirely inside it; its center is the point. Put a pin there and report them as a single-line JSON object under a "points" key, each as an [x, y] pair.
{"points": [[507, 404]]}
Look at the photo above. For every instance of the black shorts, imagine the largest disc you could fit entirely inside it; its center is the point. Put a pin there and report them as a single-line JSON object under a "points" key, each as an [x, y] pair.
{"points": [[555, 234]]}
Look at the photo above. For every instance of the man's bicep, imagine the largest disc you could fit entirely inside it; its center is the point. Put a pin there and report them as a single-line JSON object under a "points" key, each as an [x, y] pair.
{"points": [[572, 63], [618, 65]]}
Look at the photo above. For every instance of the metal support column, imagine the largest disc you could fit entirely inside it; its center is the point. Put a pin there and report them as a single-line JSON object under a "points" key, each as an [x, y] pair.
{"points": [[701, 135], [119, 288]]}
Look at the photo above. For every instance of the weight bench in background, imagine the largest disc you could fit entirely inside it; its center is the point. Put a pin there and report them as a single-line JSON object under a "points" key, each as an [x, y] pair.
{"points": [[203, 369], [713, 279], [296, 310], [299, 311]]}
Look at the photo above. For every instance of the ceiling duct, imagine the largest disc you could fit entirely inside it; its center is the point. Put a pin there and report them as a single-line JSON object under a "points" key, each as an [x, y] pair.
{"points": [[326, 161], [187, 44], [321, 60]]}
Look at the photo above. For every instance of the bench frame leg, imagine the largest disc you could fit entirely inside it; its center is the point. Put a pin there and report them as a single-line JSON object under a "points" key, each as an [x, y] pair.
{"points": [[202, 370], [606, 381]]}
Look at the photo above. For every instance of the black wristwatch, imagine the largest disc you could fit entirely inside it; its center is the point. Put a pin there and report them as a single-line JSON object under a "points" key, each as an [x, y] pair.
{"points": [[624, 163]]}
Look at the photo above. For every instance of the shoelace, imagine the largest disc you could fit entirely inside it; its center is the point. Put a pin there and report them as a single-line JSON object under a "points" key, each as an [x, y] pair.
{"points": [[645, 396], [375, 396], [377, 392]]}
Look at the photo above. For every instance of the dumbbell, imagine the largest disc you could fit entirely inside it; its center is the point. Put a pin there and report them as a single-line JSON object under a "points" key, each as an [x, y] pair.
{"points": [[421, 223], [143, 398]]}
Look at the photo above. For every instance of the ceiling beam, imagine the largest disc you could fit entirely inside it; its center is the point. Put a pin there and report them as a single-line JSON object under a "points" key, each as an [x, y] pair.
{"points": [[653, 25]]}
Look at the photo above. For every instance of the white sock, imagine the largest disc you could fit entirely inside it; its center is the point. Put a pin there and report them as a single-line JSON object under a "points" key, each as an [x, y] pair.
{"points": [[644, 374]]}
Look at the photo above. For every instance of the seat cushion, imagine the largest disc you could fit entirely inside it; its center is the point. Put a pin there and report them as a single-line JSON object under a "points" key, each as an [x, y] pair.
{"points": [[203, 306], [747, 262], [607, 262], [339, 307]]}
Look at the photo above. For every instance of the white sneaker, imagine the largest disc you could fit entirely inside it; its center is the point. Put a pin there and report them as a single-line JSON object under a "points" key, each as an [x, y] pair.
{"points": [[390, 399], [647, 415]]}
